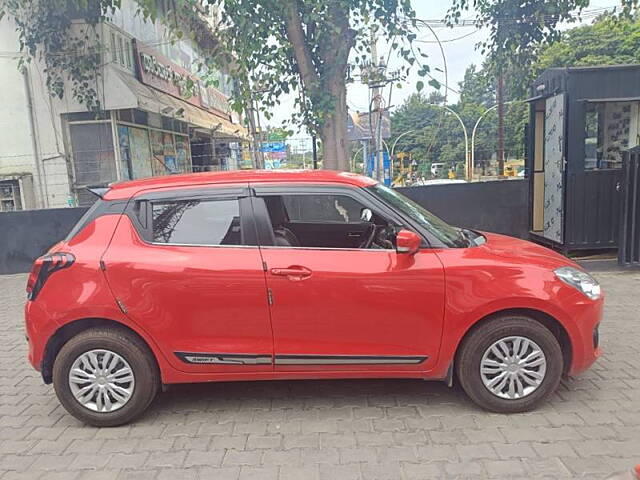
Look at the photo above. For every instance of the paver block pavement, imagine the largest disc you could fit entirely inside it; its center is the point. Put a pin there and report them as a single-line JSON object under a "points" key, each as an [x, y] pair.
{"points": [[311, 430]]}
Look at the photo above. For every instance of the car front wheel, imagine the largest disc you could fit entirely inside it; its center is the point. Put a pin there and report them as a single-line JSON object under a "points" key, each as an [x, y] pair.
{"points": [[105, 377], [509, 364]]}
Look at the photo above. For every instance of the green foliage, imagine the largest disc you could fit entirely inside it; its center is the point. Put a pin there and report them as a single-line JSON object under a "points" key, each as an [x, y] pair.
{"points": [[518, 28], [46, 34], [437, 136], [609, 41], [275, 134]]}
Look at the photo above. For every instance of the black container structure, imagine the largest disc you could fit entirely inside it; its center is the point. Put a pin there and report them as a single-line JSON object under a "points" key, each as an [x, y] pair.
{"points": [[582, 120]]}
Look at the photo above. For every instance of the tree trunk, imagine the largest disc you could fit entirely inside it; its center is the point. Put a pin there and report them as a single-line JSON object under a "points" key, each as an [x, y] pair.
{"points": [[334, 131]]}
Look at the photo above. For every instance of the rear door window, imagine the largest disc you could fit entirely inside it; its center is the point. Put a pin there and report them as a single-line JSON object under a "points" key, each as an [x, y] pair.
{"points": [[197, 222]]}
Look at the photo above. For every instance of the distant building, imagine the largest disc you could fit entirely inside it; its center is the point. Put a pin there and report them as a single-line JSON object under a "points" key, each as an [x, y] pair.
{"points": [[150, 122]]}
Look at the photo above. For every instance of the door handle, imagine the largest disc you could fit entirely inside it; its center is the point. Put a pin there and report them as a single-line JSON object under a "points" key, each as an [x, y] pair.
{"points": [[292, 273]]}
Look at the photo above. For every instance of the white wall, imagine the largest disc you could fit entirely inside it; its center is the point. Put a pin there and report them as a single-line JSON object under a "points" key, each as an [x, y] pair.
{"points": [[17, 153]]}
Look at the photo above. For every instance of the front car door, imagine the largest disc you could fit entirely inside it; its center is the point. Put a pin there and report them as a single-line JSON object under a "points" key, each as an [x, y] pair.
{"points": [[345, 308], [185, 266]]}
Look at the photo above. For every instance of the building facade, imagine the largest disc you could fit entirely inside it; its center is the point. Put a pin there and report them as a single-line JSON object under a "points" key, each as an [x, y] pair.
{"points": [[157, 116]]}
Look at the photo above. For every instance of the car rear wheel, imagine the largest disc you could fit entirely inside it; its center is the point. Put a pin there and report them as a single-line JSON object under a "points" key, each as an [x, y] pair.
{"points": [[105, 377], [509, 364]]}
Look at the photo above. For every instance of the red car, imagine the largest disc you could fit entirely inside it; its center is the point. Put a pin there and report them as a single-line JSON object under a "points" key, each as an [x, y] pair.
{"points": [[293, 275]]}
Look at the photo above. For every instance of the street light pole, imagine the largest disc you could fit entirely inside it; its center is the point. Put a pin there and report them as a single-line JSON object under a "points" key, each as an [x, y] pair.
{"points": [[475, 128], [467, 159]]}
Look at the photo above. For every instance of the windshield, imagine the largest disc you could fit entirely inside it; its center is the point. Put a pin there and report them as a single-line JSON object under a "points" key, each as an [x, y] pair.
{"points": [[448, 235]]}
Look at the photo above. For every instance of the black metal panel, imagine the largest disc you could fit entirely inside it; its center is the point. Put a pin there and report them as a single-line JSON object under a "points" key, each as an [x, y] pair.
{"points": [[26, 235], [593, 209], [629, 250], [499, 206]]}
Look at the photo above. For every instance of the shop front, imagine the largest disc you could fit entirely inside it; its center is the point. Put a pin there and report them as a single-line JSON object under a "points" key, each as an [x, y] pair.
{"points": [[161, 121]]}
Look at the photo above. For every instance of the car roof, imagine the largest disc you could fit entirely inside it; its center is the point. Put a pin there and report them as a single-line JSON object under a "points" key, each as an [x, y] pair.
{"points": [[124, 190]]}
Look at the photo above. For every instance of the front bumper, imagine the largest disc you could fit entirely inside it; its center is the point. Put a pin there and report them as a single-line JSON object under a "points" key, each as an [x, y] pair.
{"points": [[586, 336]]}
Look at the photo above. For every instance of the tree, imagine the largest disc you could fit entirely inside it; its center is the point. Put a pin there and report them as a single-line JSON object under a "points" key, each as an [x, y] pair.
{"points": [[608, 41], [283, 46], [517, 28]]}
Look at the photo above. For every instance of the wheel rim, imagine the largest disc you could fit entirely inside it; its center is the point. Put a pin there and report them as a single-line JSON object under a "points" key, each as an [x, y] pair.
{"points": [[513, 367], [101, 380]]}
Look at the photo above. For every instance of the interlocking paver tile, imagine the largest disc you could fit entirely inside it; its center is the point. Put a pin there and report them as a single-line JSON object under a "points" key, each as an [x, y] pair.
{"points": [[311, 430]]}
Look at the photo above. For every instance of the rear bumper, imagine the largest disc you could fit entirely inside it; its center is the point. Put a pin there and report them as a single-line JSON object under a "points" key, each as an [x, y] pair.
{"points": [[39, 329]]}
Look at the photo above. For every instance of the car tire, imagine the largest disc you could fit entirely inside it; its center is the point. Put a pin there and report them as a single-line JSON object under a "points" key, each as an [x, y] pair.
{"points": [[481, 377], [123, 397]]}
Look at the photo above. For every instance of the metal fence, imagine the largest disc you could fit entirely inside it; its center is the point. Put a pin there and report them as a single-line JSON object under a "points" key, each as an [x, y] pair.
{"points": [[629, 244]]}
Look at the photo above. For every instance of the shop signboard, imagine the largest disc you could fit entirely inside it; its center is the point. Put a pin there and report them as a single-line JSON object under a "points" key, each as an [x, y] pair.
{"points": [[370, 168], [159, 72], [271, 147]]}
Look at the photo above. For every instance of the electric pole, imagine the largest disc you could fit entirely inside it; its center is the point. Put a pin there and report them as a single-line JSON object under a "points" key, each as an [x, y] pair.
{"points": [[314, 150], [376, 74]]}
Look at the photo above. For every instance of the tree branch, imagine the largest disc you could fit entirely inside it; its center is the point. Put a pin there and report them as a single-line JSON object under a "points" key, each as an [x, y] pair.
{"points": [[296, 36]]}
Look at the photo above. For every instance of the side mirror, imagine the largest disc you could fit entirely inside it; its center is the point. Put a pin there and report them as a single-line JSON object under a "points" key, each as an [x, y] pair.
{"points": [[366, 215], [407, 242]]}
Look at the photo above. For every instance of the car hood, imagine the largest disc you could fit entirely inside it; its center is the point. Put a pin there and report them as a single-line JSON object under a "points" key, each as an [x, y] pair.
{"points": [[522, 251]]}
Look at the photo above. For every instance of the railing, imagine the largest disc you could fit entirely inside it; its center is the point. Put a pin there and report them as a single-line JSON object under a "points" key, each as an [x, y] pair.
{"points": [[629, 246]]}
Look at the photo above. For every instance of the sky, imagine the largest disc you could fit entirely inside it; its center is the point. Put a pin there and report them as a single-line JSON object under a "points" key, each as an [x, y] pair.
{"points": [[460, 51]]}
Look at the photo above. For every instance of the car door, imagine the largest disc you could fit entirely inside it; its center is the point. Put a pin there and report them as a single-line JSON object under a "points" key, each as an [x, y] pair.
{"points": [[349, 309], [185, 266]]}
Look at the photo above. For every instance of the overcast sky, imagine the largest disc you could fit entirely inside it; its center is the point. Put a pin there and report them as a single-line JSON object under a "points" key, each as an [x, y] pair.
{"points": [[460, 51]]}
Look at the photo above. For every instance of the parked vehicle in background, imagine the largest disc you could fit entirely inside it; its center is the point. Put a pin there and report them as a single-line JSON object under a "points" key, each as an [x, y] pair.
{"points": [[437, 169], [513, 167], [293, 275], [441, 181]]}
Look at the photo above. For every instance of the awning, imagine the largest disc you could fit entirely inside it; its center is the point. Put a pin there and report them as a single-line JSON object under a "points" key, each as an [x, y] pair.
{"points": [[123, 90], [536, 98], [602, 100]]}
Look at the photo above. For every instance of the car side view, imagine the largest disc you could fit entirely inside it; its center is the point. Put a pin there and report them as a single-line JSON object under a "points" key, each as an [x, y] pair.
{"points": [[254, 275]]}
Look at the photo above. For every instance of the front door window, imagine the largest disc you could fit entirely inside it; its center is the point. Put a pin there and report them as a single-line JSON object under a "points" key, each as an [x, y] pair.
{"points": [[327, 221]]}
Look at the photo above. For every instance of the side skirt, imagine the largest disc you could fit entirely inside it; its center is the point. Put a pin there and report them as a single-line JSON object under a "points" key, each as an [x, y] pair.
{"points": [[347, 360], [249, 359]]}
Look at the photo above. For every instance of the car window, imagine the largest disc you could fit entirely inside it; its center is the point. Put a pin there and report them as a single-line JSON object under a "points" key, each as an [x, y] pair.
{"points": [[322, 208], [197, 222]]}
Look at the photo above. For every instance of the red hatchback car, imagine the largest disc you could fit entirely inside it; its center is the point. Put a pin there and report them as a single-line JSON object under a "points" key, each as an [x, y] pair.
{"points": [[292, 275]]}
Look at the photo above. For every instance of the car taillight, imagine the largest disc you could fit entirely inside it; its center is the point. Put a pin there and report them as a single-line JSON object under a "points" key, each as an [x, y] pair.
{"points": [[42, 269]]}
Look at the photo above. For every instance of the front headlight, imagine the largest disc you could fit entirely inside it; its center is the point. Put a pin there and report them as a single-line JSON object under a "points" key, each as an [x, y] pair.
{"points": [[579, 280]]}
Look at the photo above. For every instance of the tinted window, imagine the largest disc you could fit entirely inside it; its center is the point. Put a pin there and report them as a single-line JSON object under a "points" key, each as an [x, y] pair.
{"points": [[322, 208], [197, 222]]}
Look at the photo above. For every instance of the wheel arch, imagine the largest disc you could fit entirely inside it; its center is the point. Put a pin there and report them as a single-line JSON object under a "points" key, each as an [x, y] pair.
{"points": [[66, 332], [548, 321]]}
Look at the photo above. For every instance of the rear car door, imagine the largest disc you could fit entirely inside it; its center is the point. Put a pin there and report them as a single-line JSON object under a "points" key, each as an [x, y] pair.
{"points": [[345, 308], [185, 266]]}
